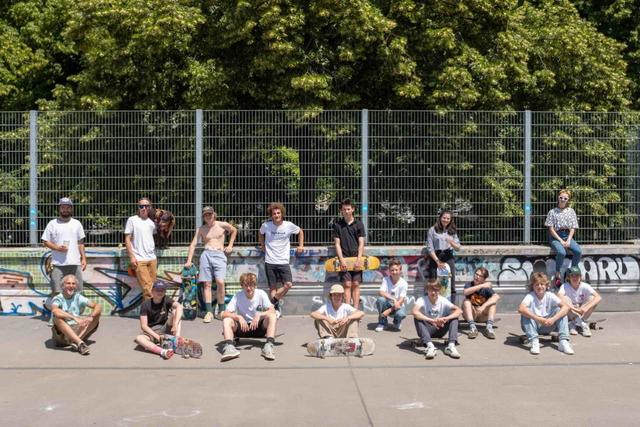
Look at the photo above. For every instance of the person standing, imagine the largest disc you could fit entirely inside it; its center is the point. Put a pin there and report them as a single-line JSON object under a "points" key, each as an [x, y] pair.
{"points": [[442, 240], [562, 223], [213, 261], [65, 237], [349, 238], [138, 238]]}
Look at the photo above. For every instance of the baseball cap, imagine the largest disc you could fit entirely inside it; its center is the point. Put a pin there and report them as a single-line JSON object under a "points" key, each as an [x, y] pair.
{"points": [[208, 209], [160, 285], [65, 201], [336, 289], [574, 271]]}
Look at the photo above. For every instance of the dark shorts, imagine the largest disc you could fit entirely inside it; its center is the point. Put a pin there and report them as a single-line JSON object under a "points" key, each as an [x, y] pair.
{"points": [[350, 276], [259, 332], [278, 273]]}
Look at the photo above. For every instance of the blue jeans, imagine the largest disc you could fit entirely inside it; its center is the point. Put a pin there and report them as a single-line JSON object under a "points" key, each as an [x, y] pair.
{"points": [[383, 304], [533, 328], [561, 251]]}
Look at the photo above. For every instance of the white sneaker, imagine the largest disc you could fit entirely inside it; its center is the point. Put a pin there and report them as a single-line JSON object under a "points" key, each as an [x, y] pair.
{"points": [[430, 353], [572, 328], [535, 346], [586, 331], [565, 347], [380, 327], [451, 351]]}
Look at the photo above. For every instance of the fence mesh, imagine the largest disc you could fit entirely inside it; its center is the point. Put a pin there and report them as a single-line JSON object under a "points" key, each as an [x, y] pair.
{"points": [[419, 162]]}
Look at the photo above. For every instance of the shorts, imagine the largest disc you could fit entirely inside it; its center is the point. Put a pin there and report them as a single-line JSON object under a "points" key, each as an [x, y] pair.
{"points": [[478, 316], [350, 276], [259, 332], [278, 273], [61, 339], [164, 329], [212, 264], [58, 273]]}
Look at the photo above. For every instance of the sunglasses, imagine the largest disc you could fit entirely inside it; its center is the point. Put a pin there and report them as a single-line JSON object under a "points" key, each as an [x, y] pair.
{"points": [[564, 199], [144, 206]]}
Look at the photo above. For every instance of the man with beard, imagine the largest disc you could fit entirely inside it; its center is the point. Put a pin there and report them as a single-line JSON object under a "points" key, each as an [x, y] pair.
{"points": [[65, 237]]}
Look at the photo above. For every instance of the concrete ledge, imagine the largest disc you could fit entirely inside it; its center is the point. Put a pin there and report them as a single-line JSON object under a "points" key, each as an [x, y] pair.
{"points": [[613, 269]]}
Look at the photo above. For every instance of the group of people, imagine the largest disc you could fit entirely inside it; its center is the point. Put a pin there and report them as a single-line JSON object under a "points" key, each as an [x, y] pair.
{"points": [[254, 313]]}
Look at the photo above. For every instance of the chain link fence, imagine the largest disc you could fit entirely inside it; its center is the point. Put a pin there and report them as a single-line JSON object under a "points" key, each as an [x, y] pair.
{"points": [[416, 163]]}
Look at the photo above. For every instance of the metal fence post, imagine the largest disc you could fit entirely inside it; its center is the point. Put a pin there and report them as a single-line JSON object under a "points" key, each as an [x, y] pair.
{"points": [[527, 177], [198, 183], [33, 178], [365, 170]]}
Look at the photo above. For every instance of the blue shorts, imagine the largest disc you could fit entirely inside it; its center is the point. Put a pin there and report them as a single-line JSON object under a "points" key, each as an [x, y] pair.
{"points": [[212, 264]]}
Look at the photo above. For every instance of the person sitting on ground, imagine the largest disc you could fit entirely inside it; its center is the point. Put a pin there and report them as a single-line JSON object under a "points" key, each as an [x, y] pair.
{"points": [[336, 318], [583, 300], [159, 316], [249, 314], [434, 316], [69, 326], [480, 303], [392, 295], [542, 312]]}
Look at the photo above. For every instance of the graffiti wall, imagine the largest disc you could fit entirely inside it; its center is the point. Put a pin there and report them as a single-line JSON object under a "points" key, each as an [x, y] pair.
{"points": [[24, 274]]}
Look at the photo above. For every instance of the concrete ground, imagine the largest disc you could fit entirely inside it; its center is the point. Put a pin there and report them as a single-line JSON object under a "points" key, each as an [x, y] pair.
{"points": [[494, 383]]}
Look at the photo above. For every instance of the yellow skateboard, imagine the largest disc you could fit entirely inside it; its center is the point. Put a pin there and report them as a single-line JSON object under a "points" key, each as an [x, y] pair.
{"points": [[368, 263]]}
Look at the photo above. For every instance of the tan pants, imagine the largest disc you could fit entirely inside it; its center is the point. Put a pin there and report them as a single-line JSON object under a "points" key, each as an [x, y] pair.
{"points": [[348, 330], [146, 275]]}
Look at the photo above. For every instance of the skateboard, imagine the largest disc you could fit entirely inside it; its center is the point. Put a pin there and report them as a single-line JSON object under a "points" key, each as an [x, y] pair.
{"points": [[415, 342], [329, 347], [443, 275], [237, 340], [595, 324], [525, 341], [189, 292], [368, 263], [183, 346]]}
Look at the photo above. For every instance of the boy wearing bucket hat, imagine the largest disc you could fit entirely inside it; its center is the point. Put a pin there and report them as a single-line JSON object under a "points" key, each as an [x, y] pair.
{"points": [[583, 300], [336, 318]]}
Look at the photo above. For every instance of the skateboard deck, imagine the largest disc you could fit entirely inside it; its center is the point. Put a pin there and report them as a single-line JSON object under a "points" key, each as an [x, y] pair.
{"points": [[368, 263], [595, 324], [185, 347], [415, 342], [443, 275], [189, 293], [330, 347]]}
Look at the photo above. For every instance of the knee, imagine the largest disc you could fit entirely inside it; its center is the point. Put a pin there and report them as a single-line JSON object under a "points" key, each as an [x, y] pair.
{"points": [[577, 250], [288, 285], [347, 285], [207, 285]]}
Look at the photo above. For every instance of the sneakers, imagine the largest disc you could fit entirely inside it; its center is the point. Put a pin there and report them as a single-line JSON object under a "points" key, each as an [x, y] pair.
{"points": [[572, 328], [380, 327], [397, 326], [229, 352], [218, 313], [586, 331], [565, 347], [430, 352], [535, 346], [473, 333], [488, 332], [267, 352], [83, 349], [167, 353], [208, 317], [451, 351]]}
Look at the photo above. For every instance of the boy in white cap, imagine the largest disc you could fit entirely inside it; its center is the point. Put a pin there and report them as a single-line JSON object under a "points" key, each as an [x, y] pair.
{"points": [[65, 237], [583, 300], [336, 318]]}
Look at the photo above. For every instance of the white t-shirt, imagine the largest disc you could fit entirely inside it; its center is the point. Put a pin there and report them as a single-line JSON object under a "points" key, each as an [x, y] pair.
{"points": [[577, 296], [442, 307], [343, 311], [142, 240], [59, 232], [276, 241], [246, 307], [398, 291], [543, 307]]}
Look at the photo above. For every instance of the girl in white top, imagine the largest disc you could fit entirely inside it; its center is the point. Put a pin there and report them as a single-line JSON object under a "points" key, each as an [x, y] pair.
{"points": [[562, 224], [542, 312]]}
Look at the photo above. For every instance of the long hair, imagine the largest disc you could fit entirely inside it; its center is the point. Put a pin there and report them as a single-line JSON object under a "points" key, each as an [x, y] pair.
{"points": [[451, 229]]}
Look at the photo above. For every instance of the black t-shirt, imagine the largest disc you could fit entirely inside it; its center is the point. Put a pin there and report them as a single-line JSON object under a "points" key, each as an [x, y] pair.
{"points": [[482, 295], [157, 314], [348, 235]]}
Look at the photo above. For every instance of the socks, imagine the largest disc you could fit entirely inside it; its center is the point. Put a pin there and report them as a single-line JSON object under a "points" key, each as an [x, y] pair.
{"points": [[208, 307], [228, 342], [166, 354], [221, 308], [472, 324], [271, 340], [489, 324]]}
